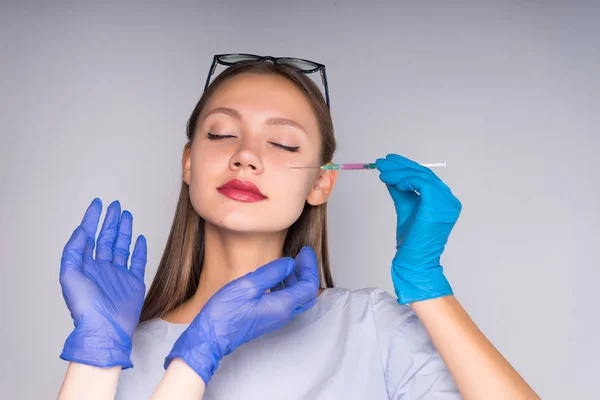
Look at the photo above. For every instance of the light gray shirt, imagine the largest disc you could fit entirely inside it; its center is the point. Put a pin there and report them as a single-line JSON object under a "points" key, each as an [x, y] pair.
{"points": [[358, 344]]}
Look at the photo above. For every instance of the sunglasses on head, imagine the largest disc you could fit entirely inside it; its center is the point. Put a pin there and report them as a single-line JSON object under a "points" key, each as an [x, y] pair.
{"points": [[299, 64]]}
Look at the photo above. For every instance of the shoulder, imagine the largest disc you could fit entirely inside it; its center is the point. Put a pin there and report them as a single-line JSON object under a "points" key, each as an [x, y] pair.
{"points": [[411, 364], [392, 321], [362, 294], [383, 307], [374, 300]]}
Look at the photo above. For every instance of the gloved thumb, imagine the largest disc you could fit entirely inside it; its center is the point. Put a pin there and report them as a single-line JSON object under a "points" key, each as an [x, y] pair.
{"points": [[269, 275]]}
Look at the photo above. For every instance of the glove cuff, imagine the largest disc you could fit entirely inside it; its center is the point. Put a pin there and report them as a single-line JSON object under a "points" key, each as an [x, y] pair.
{"points": [[197, 354], [429, 284], [98, 347]]}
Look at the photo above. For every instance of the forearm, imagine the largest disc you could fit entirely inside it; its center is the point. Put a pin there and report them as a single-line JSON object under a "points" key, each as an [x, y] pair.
{"points": [[179, 382], [478, 369], [89, 382]]}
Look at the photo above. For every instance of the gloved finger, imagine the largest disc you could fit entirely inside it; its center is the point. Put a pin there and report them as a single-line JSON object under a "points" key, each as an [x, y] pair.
{"points": [[404, 183], [108, 232], [404, 201], [91, 218], [395, 162], [383, 164], [408, 181], [310, 270], [398, 159], [306, 289], [295, 299], [139, 258], [305, 307], [266, 277], [430, 191], [286, 282], [395, 159], [73, 251], [121, 249], [88, 252], [277, 287], [308, 266], [393, 176], [392, 172], [291, 278]]}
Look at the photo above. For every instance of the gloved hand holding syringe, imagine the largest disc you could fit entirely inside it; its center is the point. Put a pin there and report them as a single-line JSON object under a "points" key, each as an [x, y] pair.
{"points": [[426, 212]]}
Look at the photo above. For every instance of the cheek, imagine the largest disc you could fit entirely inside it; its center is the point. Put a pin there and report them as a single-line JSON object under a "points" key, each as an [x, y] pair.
{"points": [[206, 161], [294, 187], [297, 190], [204, 170]]}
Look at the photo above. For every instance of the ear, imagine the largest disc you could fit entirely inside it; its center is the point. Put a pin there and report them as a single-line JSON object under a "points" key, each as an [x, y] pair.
{"points": [[322, 188], [186, 163]]}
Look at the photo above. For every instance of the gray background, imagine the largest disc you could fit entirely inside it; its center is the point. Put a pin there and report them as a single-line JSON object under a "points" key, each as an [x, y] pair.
{"points": [[94, 100]]}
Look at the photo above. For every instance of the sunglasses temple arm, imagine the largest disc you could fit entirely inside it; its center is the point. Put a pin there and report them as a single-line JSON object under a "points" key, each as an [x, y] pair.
{"points": [[324, 80], [210, 72]]}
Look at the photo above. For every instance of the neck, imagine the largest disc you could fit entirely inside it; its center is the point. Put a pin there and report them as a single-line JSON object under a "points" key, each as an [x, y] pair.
{"points": [[227, 256], [230, 255]]}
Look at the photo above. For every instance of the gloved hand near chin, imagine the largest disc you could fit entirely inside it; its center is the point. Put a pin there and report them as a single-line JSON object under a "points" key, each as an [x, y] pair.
{"points": [[241, 311], [426, 212], [104, 297]]}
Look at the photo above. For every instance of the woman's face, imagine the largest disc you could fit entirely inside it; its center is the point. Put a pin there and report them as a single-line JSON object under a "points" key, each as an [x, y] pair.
{"points": [[252, 129]]}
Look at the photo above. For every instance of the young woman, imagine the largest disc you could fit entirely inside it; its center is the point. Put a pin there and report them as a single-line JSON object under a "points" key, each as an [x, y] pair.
{"points": [[243, 304]]}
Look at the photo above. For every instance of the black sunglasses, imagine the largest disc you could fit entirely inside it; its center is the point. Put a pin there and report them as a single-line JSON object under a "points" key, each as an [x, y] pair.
{"points": [[299, 64]]}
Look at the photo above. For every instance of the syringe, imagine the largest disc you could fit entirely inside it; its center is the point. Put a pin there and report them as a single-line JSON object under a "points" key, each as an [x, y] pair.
{"points": [[363, 166]]}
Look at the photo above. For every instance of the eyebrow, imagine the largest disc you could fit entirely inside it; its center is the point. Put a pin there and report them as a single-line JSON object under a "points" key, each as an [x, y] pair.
{"points": [[271, 121]]}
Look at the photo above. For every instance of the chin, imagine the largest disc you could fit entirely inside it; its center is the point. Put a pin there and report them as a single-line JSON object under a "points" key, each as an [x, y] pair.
{"points": [[245, 223], [246, 217], [237, 221]]}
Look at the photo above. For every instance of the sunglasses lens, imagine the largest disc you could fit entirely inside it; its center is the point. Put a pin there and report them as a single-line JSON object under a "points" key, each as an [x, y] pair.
{"points": [[234, 58], [303, 65]]}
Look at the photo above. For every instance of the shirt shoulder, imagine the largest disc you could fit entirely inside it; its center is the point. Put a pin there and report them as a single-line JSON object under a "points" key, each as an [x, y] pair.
{"points": [[391, 320], [387, 313], [412, 365]]}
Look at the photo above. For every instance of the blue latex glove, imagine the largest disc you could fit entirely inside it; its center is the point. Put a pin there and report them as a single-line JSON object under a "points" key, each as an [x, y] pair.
{"points": [[424, 222], [242, 310], [104, 297]]}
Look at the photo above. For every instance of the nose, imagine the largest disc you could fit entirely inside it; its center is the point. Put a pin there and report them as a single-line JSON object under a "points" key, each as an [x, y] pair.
{"points": [[246, 158]]}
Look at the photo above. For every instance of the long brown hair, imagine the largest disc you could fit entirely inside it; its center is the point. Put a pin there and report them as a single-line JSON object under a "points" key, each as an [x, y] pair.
{"points": [[178, 273]]}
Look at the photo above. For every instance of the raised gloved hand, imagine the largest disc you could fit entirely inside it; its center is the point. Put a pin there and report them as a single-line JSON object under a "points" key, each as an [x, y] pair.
{"points": [[242, 310], [427, 211], [104, 297]]}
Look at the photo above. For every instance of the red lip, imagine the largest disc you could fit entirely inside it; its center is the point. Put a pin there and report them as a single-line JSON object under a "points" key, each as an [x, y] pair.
{"points": [[241, 191]]}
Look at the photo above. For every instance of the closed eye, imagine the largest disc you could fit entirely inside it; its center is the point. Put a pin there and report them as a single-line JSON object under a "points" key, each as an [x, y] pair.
{"points": [[292, 149], [212, 136], [218, 137]]}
